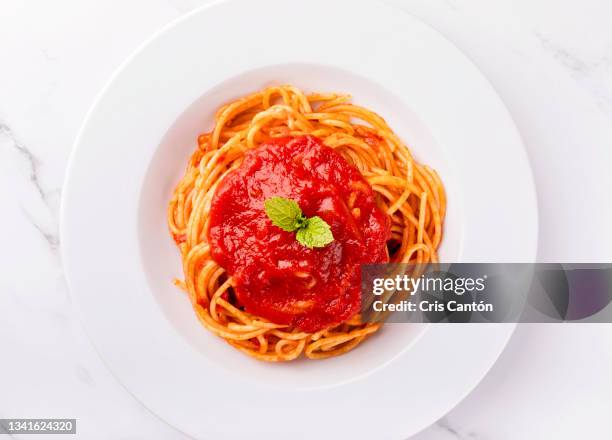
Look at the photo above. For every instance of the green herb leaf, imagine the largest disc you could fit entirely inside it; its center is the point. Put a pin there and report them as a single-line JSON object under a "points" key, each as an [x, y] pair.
{"points": [[284, 213], [287, 215], [315, 233]]}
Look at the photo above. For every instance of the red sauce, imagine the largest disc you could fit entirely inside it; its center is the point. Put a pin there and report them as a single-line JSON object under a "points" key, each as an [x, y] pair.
{"points": [[275, 276]]}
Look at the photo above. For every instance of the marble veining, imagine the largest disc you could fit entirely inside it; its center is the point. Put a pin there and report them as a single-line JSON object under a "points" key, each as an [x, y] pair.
{"points": [[456, 432], [50, 233], [25, 153], [595, 75], [52, 56]]}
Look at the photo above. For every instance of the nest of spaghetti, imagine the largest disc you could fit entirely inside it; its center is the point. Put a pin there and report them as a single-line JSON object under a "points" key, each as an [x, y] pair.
{"points": [[410, 193]]}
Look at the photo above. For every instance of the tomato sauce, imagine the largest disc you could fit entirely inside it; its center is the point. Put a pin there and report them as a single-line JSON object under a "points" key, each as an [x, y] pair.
{"points": [[275, 276]]}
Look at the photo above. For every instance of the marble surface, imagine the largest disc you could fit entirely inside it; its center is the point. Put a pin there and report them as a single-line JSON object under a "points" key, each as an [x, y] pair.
{"points": [[551, 62]]}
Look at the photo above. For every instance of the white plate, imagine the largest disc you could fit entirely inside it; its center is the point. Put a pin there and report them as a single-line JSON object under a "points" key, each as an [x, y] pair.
{"points": [[134, 145]]}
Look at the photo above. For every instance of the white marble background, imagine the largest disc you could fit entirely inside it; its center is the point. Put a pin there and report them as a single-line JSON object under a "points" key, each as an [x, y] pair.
{"points": [[550, 60]]}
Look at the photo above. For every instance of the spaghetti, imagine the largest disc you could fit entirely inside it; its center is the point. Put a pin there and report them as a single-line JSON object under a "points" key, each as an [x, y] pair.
{"points": [[411, 194]]}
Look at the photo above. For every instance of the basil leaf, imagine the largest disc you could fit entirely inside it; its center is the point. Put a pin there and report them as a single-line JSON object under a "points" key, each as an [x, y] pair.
{"points": [[284, 213], [315, 233]]}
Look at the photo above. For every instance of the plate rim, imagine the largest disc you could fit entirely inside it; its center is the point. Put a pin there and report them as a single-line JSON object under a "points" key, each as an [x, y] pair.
{"points": [[64, 233]]}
